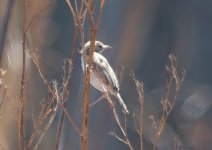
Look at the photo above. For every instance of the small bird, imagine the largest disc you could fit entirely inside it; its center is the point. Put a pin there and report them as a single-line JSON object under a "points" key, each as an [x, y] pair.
{"points": [[102, 76]]}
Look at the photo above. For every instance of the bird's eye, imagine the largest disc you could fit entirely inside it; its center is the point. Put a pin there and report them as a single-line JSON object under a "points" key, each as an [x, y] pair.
{"points": [[100, 46]]}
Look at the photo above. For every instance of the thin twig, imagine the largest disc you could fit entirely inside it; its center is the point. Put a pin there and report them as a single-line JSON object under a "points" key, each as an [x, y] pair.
{"points": [[76, 7], [67, 89], [126, 138], [70, 119], [72, 11], [140, 91], [96, 101], [45, 112], [167, 104], [135, 124], [21, 96], [100, 14], [78, 21], [117, 137], [93, 32], [37, 15], [56, 96]]}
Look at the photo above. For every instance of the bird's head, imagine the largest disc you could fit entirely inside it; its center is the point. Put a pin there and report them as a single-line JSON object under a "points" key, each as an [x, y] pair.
{"points": [[99, 47]]}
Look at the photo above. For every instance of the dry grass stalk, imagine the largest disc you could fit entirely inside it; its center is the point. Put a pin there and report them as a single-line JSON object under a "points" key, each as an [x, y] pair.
{"points": [[21, 95], [167, 102], [25, 28], [79, 18], [121, 127], [93, 31], [140, 91], [96, 101], [38, 123], [37, 15], [86, 96], [58, 94]]}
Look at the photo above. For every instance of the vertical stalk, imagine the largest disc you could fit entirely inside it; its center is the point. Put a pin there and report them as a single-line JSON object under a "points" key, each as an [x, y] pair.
{"points": [[84, 144], [21, 95], [86, 96]]}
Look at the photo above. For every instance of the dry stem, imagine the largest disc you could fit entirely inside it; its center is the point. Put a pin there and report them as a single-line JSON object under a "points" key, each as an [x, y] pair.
{"points": [[37, 15], [21, 96], [58, 94], [93, 31], [167, 103], [79, 18], [140, 90], [25, 28], [123, 130]]}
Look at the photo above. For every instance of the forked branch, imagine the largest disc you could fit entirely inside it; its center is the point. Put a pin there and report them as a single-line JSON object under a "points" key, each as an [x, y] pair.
{"points": [[168, 102]]}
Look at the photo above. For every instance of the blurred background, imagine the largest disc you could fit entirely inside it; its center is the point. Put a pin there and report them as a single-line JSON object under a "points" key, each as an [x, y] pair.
{"points": [[142, 33]]}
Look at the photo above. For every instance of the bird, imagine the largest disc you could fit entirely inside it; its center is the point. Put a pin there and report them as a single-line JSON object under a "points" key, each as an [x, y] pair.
{"points": [[102, 76]]}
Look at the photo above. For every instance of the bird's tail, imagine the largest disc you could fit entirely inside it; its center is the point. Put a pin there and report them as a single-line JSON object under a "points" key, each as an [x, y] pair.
{"points": [[122, 103]]}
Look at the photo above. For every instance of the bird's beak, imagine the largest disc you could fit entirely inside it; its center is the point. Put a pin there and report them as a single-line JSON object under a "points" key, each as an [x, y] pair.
{"points": [[107, 47]]}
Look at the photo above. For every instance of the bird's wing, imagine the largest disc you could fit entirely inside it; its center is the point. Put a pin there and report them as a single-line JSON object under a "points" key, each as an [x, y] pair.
{"points": [[105, 71]]}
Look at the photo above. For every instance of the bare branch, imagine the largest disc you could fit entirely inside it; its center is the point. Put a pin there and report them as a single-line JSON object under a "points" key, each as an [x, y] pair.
{"points": [[123, 131], [117, 137], [72, 11], [37, 15], [79, 19], [58, 94], [140, 91], [96, 101], [93, 32], [76, 6], [135, 124], [70, 119], [100, 13], [21, 95], [166, 102]]}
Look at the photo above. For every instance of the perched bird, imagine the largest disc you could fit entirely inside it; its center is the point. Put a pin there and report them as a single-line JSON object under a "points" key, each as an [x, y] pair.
{"points": [[102, 76]]}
